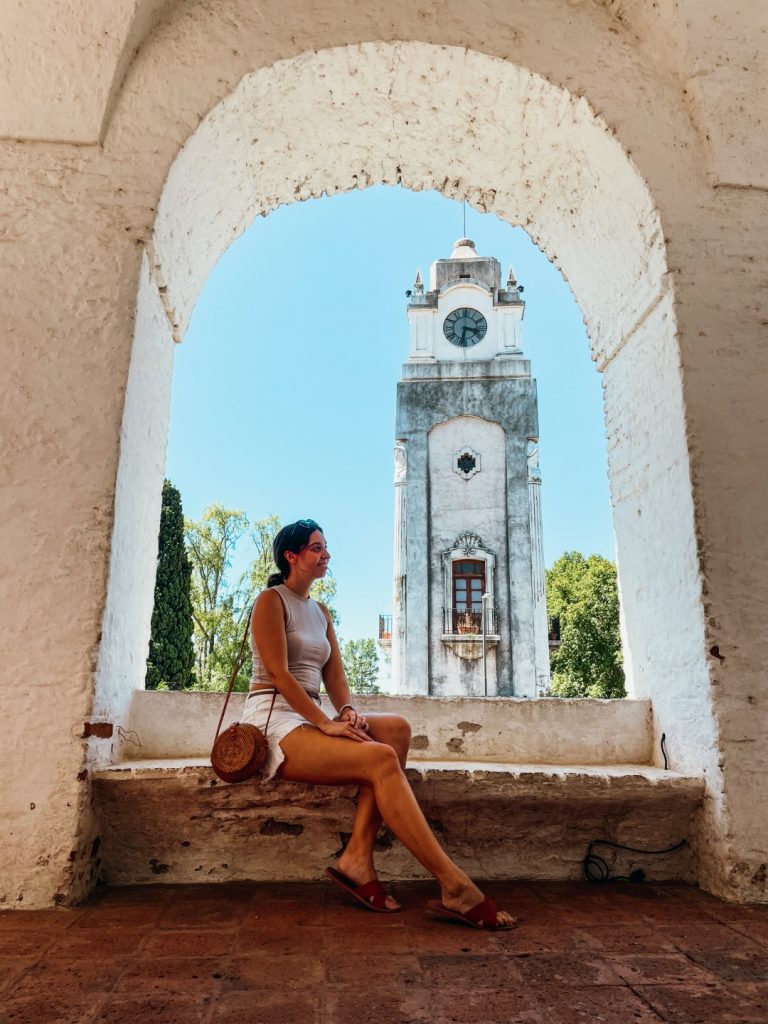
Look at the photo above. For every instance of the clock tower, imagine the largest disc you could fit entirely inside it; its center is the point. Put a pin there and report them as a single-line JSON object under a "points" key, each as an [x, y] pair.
{"points": [[469, 614]]}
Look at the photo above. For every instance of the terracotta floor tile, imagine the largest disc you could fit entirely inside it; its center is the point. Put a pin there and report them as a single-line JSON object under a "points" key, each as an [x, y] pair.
{"points": [[58, 975], [95, 942], [209, 954], [139, 916], [567, 969], [539, 938], [267, 1008], [705, 933], [698, 1004], [755, 929], [607, 1004], [733, 964], [268, 971], [465, 971], [37, 920], [277, 937], [20, 943], [755, 991], [511, 1003], [374, 970], [12, 968], [658, 969], [197, 916], [50, 1008], [345, 1006], [173, 976], [153, 1010], [634, 939], [194, 942]]}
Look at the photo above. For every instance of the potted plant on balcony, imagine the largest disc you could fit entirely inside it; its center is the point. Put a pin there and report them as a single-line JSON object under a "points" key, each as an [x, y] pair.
{"points": [[465, 625]]}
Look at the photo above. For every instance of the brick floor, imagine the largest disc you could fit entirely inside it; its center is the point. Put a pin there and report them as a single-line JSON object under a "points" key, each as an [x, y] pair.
{"points": [[257, 954]]}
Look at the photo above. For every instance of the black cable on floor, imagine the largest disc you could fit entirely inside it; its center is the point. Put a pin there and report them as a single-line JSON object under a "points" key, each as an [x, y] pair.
{"points": [[597, 870]]}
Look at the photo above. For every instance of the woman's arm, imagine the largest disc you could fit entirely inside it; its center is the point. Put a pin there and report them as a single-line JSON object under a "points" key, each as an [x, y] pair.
{"points": [[268, 630], [335, 679]]}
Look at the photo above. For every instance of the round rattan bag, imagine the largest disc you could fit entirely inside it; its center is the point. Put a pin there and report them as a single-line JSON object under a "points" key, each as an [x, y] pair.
{"points": [[239, 752]]}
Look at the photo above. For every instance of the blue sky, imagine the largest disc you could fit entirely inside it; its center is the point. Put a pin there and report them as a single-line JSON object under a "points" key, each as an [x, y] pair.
{"points": [[284, 387]]}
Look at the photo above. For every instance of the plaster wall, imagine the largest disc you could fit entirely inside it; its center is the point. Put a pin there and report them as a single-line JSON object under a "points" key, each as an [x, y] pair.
{"points": [[457, 506], [133, 554], [547, 148], [170, 725]]}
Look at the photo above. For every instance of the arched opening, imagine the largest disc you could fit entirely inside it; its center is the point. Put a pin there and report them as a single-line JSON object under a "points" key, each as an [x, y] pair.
{"points": [[302, 328], [472, 127]]}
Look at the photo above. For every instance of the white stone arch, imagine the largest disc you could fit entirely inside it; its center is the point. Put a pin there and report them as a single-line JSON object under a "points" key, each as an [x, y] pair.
{"points": [[474, 127]]}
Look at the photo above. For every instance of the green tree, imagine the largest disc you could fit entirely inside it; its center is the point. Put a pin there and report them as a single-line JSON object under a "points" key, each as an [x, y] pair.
{"points": [[171, 654], [219, 606], [583, 594], [361, 665], [325, 591]]}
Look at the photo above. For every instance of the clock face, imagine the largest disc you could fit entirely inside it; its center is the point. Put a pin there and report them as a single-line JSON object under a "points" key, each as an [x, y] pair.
{"points": [[465, 327]]}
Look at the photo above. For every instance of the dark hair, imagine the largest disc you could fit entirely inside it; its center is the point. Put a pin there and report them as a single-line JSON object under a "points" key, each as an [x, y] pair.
{"points": [[293, 537]]}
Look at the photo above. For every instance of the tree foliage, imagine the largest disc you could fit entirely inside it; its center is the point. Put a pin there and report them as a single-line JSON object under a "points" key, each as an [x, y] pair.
{"points": [[361, 665], [221, 605], [583, 594], [171, 655]]}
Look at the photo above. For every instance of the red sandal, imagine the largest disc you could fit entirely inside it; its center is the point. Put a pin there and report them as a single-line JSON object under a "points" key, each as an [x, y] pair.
{"points": [[484, 915], [372, 895]]}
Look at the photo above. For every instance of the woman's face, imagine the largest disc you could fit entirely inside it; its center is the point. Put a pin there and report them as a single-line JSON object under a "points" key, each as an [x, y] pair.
{"points": [[313, 558]]}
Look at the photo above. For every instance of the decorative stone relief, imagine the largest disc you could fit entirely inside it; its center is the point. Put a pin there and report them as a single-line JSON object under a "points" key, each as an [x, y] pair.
{"points": [[534, 472], [468, 542], [401, 462]]}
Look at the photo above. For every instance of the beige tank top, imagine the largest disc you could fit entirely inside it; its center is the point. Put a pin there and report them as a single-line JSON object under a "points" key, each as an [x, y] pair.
{"points": [[306, 634]]}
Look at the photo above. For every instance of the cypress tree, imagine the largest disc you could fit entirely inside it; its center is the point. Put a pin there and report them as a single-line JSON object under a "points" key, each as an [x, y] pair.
{"points": [[171, 655]]}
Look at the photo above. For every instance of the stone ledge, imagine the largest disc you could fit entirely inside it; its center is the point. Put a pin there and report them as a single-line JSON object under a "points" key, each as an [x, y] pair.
{"points": [[497, 729], [495, 773], [174, 821]]}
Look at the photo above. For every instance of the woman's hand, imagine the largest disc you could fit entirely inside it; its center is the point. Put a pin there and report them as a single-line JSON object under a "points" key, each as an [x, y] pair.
{"points": [[345, 730], [354, 718]]}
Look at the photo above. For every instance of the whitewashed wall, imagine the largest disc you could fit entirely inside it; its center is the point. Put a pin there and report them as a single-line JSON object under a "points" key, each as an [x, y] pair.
{"points": [[623, 143]]}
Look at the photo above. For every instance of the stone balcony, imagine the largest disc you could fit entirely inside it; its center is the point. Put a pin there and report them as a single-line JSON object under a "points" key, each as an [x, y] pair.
{"points": [[514, 788]]}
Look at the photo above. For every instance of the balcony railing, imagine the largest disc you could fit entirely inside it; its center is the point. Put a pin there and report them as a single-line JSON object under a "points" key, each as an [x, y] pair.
{"points": [[459, 621], [385, 627]]}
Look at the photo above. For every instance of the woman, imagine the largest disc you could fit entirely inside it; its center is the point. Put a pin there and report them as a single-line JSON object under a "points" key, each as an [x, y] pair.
{"points": [[295, 649]]}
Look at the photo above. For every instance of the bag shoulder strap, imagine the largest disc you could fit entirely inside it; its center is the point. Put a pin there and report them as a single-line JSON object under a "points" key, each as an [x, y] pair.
{"points": [[238, 665]]}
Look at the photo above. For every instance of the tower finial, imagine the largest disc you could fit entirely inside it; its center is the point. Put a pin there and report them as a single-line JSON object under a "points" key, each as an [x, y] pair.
{"points": [[418, 284], [511, 279]]}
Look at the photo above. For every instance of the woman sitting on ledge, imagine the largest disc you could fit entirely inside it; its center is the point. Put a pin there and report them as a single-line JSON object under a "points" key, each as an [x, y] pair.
{"points": [[295, 649]]}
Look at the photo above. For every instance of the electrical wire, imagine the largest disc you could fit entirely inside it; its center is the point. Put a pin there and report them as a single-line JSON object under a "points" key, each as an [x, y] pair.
{"points": [[596, 868]]}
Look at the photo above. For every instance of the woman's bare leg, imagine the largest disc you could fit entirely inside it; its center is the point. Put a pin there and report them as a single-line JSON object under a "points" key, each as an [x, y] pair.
{"points": [[356, 862], [313, 757]]}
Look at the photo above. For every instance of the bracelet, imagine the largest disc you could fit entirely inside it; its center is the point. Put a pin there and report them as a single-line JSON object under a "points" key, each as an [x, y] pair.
{"points": [[350, 706]]}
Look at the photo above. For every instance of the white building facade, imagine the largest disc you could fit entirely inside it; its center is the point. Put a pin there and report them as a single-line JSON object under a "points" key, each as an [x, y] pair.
{"points": [[469, 612]]}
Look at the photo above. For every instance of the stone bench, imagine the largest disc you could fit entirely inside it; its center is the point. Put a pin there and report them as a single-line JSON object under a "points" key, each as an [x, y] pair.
{"points": [[172, 821]]}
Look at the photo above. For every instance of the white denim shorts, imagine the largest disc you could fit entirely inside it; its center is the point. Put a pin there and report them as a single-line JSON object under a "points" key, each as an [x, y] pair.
{"points": [[282, 721]]}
